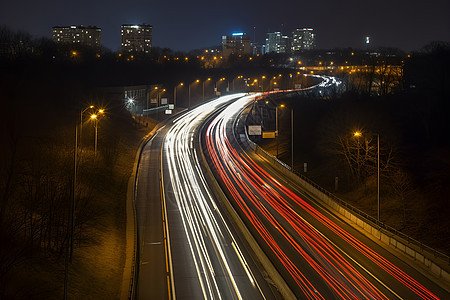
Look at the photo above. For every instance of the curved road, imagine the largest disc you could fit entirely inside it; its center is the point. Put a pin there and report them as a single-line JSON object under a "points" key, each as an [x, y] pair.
{"points": [[319, 256], [187, 248]]}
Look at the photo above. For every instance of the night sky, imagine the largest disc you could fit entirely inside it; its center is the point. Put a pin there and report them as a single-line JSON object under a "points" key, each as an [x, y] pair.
{"points": [[187, 25]]}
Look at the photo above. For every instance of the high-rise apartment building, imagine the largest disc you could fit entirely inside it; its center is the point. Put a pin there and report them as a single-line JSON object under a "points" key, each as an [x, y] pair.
{"points": [[136, 38], [79, 35], [277, 43], [303, 39], [237, 43]]}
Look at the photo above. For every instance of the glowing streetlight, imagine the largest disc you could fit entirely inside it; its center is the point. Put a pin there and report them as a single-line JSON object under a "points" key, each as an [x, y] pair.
{"points": [[222, 79], [196, 81], [95, 118], [175, 93], [81, 122], [238, 77], [69, 247], [359, 134], [209, 79], [276, 124]]}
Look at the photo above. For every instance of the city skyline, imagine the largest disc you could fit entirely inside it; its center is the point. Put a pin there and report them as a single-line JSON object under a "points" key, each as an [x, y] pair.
{"points": [[205, 23]]}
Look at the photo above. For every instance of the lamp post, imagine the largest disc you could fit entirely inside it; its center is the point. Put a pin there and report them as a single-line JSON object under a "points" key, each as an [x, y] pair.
{"points": [[271, 82], [72, 214], [175, 94], [209, 79], [276, 124], [197, 81], [358, 134], [216, 85], [154, 90], [81, 123], [378, 177], [159, 96], [95, 117], [239, 77], [69, 246], [292, 139]]}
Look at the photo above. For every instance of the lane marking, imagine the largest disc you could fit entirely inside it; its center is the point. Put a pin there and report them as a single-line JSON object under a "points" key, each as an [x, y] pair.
{"points": [[167, 249], [345, 253]]}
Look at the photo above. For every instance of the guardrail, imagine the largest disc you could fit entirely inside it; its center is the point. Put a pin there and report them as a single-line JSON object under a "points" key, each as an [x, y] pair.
{"points": [[437, 262], [150, 111]]}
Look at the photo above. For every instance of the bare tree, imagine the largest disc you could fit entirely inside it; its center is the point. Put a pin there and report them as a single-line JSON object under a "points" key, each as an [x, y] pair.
{"points": [[403, 187]]}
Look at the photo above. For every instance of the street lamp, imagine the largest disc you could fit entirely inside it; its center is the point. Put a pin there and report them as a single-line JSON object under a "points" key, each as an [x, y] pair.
{"points": [[175, 94], [222, 79], [262, 83], [95, 118], [239, 77], [292, 139], [276, 124], [216, 85], [359, 134], [69, 247], [155, 89], [209, 79], [81, 123], [159, 96], [197, 81]]}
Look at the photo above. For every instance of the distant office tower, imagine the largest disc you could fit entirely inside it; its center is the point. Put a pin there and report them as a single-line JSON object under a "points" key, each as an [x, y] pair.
{"points": [[256, 49], [276, 42], [303, 39], [79, 35], [136, 38], [237, 43]]}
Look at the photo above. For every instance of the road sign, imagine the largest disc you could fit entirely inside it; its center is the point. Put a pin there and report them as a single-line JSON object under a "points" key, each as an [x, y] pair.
{"points": [[168, 111], [171, 106], [254, 129], [163, 101], [268, 135]]}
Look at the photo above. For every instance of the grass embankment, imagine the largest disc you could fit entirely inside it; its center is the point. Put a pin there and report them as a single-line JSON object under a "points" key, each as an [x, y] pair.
{"points": [[98, 265], [100, 242]]}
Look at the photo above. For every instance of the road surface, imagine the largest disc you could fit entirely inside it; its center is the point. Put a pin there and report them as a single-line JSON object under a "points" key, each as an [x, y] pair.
{"points": [[319, 256]]}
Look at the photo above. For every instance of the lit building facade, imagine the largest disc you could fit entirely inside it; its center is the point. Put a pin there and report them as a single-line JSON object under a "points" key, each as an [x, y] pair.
{"points": [[136, 38], [79, 35], [276, 43], [303, 39], [237, 43]]}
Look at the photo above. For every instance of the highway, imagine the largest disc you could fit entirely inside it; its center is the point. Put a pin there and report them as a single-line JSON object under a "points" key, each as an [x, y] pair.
{"points": [[188, 250], [319, 256]]}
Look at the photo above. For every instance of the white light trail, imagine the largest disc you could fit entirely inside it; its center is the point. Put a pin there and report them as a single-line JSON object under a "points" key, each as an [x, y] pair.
{"points": [[201, 219]]}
